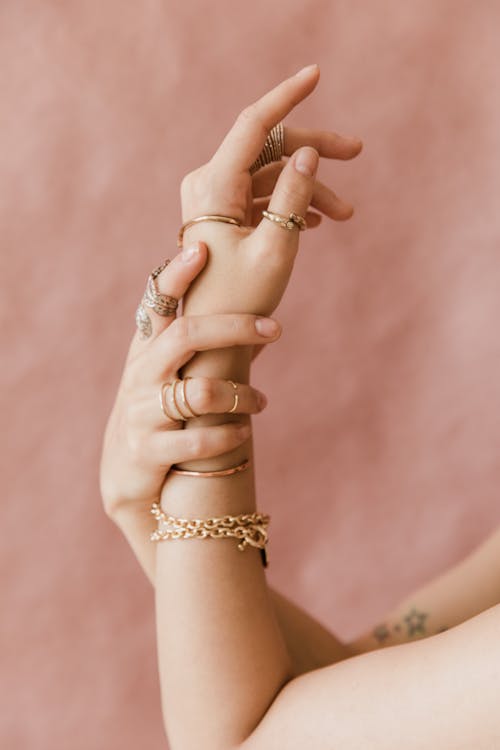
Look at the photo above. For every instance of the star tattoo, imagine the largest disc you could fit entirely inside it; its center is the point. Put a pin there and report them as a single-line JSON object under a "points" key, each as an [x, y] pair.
{"points": [[415, 622]]}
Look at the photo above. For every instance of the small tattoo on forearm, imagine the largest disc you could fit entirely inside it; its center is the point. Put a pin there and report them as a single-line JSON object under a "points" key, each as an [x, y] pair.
{"points": [[415, 625]]}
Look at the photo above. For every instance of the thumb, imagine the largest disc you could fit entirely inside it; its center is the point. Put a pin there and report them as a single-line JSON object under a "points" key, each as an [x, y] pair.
{"points": [[292, 194]]}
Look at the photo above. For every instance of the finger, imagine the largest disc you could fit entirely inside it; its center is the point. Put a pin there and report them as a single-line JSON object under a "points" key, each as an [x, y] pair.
{"points": [[173, 282], [328, 144], [192, 333], [167, 448], [323, 199], [244, 142], [292, 194], [312, 219]]}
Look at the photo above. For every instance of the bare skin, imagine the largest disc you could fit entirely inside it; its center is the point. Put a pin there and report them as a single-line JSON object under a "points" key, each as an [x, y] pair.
{"points": [[220, 644]]}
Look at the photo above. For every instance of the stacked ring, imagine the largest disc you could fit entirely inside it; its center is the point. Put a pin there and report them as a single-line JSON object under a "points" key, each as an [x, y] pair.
{"points": [[187, 406], [185, 398]]}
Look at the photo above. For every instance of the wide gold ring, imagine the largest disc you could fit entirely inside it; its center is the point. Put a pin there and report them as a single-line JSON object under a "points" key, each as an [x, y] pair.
{"points": [[273, 150]]}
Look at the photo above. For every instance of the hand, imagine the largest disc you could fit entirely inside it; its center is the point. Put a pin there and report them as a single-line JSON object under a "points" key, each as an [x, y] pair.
{"points": [[140, 443], [248, 269]]}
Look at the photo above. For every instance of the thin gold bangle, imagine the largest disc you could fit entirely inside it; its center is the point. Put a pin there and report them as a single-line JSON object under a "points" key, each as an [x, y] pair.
{"points": [[208, 217], [220, 473]]}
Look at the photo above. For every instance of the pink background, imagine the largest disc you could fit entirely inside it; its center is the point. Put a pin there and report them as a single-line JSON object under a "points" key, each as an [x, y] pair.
{"points": [[383, 421]]}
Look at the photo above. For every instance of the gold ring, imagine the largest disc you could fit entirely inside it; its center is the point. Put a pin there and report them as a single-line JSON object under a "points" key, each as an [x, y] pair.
{"points": [[236, 398], [286, 222], [163, 403], [174, 399], [185, 399]]}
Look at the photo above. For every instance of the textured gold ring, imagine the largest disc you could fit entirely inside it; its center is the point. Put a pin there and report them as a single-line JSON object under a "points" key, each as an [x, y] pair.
{"points": [[291, 221]]}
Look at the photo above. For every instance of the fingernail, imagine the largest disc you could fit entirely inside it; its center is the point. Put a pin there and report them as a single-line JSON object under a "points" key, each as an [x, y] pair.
{"points": [[266, 327], [244, 430], [261, 401], [306, 161], [305, 71], [190, 253]]}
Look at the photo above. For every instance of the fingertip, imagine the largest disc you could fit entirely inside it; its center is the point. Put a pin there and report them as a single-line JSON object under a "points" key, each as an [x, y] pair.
{"points": [[268, 327], [347, 213], [261, 401], [308, 71], [306, 161], [358, 145]]}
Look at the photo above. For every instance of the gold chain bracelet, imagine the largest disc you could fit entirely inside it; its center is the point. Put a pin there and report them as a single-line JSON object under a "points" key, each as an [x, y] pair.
{"points": [[249, 528]]}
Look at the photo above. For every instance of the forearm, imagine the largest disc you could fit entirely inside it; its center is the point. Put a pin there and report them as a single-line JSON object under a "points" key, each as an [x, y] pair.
{"points": [[465, 590], [222, 656]]}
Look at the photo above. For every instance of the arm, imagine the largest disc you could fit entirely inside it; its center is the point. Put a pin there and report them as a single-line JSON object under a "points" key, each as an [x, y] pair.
{"points": [[464, 591], [226, 676], [243, 664], [441, 692]]}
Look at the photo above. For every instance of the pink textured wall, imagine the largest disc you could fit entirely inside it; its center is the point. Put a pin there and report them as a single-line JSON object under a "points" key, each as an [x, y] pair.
{"points": [[383, 420]]}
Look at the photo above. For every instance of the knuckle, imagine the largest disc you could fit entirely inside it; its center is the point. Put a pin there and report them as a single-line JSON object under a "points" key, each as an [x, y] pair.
{"points": [[195, 183], [135, 444], [247, 114], [229, 437], [197, 443], [186, 182], [132, 413], [181, 328], [205, 395], [236, 325], [292, 192], [250, 114]]}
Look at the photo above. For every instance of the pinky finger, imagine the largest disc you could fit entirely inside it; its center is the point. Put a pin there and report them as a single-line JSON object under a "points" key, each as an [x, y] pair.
{"points": [[312, 219], [177, 446]]}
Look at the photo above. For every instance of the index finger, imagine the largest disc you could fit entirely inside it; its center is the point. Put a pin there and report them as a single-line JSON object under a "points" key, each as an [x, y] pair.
{"points": [[244, 142]]}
